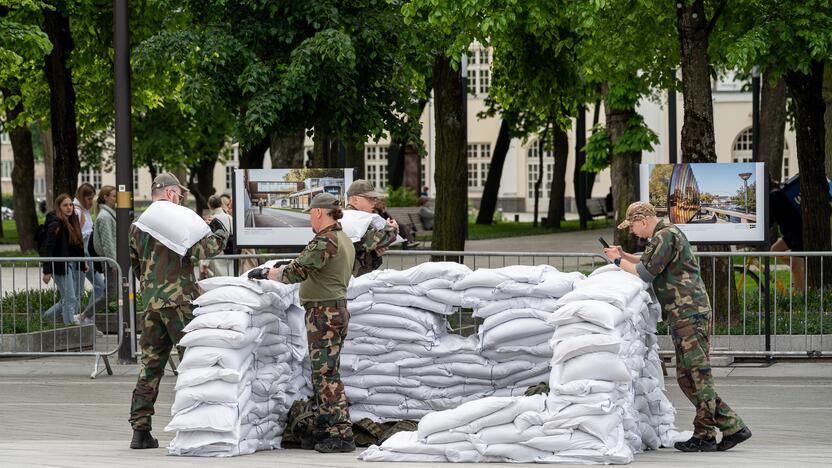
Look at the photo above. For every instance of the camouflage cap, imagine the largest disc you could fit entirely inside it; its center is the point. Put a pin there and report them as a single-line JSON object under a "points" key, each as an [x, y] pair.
{"points": [[364, 188], [323, 200], [636, 211], [167, 179]]}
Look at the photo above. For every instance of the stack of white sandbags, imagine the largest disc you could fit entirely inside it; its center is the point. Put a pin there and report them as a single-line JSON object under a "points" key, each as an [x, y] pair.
{"points": [[242, 368], [598, 357]]}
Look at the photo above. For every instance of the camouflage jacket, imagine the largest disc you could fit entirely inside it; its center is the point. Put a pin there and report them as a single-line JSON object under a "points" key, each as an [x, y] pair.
{"points": [[669, 264], [167, 279], [366, 258], [324, 267]]}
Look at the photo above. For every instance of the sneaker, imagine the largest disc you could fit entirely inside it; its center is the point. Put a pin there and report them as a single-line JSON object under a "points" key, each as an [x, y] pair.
{"points": [[413, 244], [728, 442], [143, 440], [335, 445], [695, 444], [76, 319], [88, 321]]}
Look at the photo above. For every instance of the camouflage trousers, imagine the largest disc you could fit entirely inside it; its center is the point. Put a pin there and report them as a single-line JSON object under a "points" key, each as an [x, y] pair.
{"points": [[693, 372], [326, 329], [161, 330]]}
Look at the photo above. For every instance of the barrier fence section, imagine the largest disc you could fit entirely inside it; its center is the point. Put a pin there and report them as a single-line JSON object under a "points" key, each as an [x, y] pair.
{"points": [[752, 316], [40, 319]]}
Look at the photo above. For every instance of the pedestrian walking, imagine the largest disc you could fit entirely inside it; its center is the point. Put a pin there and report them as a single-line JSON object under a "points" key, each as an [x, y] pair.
{"points": [[668, 263], [168, 286], [323, 270], [103, 244], [63, 239]]}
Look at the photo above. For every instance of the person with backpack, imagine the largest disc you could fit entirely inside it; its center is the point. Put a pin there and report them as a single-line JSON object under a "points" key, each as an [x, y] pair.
{"points": [[219, 267], [103, 244], [63, 239], [83, 203]]}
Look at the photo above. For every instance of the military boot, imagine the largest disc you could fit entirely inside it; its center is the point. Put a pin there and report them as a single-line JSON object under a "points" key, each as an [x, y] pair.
{"points": [[695, 444], [728, 442], [335, 445], [143, 440]]}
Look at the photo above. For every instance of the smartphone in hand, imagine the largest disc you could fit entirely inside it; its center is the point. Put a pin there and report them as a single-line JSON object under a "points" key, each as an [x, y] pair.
{"points": [[603, 242]]}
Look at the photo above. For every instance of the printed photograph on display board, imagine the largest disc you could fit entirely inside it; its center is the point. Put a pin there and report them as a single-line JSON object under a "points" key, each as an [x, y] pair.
{"points": [[716, 202], [269, 203]]}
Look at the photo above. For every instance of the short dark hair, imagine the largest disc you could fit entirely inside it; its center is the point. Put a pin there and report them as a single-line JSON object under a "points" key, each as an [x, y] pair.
{"points": [[214, 202]]}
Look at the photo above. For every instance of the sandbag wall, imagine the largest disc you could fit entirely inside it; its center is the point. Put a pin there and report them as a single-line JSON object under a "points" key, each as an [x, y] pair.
{"points": [[600, 367], [245, 363]]}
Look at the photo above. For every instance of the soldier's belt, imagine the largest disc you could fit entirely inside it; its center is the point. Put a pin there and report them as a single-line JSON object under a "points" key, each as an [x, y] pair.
{"points": [[334, 303]]}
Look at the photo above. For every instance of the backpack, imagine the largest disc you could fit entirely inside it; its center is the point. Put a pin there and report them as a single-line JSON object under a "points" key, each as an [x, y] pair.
{"points": [[98, 267], [40, 239], [230, 245]]}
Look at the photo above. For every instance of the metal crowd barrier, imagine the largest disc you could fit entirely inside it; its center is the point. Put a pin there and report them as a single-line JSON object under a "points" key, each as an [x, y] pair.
{"points": [[765, 319], [30, 326]]}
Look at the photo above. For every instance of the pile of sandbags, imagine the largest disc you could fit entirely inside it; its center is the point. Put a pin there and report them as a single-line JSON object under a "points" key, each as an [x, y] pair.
{"points": [[243, 368], [598, 354]]}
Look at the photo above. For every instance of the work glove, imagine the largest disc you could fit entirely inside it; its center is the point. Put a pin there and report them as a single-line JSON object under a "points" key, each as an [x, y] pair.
{"points": [[259, 273]]}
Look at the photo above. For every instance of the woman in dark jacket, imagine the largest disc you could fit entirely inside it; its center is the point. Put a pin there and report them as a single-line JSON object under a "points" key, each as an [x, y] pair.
{"points": [[63, 239]]}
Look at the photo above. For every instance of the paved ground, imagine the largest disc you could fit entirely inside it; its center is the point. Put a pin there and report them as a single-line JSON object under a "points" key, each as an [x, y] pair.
{"points": [[53, 415]]}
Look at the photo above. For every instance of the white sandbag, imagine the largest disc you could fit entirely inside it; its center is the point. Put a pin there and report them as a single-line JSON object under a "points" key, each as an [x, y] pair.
{"points": [[488, 309], [374, 453], [512, 314], [514, 453], [599, 313], [491, 277], [506, 434], [614, 287], [356, 222], [226, 320], [364, 284], [451, 297], [213, 418], [197, 357], [584, 387], [513, 330], [569, 440], [221, 338], [186, 441], [416, 289], [223, 307], [424, 272], [554, 284], [397, 334], [178, 236], [383, 413], [258, 286], [387, 321], [237, 295], [420, 302], [582, 328], [212, 392], [592, 366], [408, 442], [373, 381], [188, 378], [466, 413], [575, 346], [506, 414]]}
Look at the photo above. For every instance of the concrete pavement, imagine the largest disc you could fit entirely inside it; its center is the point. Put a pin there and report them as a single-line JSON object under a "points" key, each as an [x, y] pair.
{"points": [[53, 415]]}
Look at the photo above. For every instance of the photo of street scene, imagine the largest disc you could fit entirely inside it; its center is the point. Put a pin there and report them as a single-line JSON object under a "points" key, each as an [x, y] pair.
{"points": [[716, 202], [705, 193], [270, 202]]}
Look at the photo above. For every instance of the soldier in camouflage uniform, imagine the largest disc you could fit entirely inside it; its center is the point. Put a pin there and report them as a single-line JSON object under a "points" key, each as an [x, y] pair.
{"points": [[323, 270], [362, 196], [168, 285], [668, 263]]}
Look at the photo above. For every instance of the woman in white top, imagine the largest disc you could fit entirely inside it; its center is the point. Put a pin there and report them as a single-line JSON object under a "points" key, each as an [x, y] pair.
{"points": [[218, 267], [83, 203]]}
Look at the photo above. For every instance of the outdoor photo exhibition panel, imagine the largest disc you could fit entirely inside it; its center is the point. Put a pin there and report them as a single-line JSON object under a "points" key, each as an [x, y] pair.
{"points": [[269, 203], [711, 203]]}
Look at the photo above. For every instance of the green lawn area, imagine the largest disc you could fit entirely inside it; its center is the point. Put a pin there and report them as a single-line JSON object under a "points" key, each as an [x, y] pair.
{"points": [[511, 229]]}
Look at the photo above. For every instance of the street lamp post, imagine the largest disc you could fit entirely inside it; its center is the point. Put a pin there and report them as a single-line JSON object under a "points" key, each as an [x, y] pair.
{"points": [[745, 176]]}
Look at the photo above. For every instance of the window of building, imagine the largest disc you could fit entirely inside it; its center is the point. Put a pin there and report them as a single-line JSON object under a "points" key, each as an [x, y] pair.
{"points": [[229, 176], [6, 169], [40, 186], [423, 169], [92, 177], [532, 155], [479, 160], [136, 185], [533, 175], [4, 138], [479, 70], [743, 146], [375, 165]]}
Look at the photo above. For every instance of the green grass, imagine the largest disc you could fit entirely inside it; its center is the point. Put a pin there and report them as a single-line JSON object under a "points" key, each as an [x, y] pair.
{"points": [[511, 229], [20, 312]]}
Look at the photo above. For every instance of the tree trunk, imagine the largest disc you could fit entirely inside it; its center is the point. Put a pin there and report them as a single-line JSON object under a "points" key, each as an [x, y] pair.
{"points": [[772, 126], [560, 148], [252, 157], [698, 141], [451, 159], [592, 176], [48, 171], [395, 164], [827, 98], [355, 159], [153, 172], [622, 174], [541, 148], [201, 182], [23, 178], [491, 190], [806, 91], [62, 102], [286, 150], [412, 168]]}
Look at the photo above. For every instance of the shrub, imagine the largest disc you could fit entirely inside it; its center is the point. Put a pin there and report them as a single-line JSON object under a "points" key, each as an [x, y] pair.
{"points": [[401, 197]]}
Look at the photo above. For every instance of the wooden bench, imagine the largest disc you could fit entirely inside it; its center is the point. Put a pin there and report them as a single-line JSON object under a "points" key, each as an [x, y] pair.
{"points": [[409, 216], [597, 207]]}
